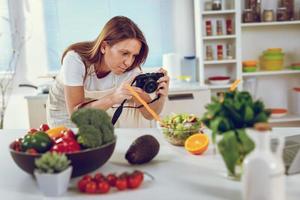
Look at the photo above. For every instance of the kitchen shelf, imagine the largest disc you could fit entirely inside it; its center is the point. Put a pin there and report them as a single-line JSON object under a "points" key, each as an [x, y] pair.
{"points": [[219, 37], [218, 12], [217, 86], [271, 73], [287, 118], [275, 23], [215, 62]]}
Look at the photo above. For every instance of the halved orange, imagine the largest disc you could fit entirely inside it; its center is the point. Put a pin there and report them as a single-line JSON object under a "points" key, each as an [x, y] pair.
{"points": [[197, 143]]}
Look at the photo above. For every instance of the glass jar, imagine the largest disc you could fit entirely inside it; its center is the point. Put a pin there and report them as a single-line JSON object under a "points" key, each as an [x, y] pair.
{"points": [[229, 51], [220, 52], [229, 29], [219, 27], [217, 5], [208, 28], [268, 15], [208, 5], [209, 52], [248, 16], [282, 14]]}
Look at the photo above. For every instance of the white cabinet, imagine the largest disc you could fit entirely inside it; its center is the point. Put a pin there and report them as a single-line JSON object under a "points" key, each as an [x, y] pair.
{"points": [[275, 88], [36, 110]]}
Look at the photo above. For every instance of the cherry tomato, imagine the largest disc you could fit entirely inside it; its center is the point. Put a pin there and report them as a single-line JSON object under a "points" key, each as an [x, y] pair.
{"points": [[81, 185], [44, 127], [91, 187], [31, 151], [111, 178], [99, 177], [103, 187], [87, 177], [139, 174], [32, 131], [121, 183]]}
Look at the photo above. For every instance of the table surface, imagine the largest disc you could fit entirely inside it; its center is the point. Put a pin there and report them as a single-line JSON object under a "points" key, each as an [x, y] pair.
{"points": [[177, 173]]}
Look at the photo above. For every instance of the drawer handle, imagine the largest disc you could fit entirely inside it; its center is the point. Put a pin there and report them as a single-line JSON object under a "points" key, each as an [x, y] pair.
{"points": [[174, 97]]}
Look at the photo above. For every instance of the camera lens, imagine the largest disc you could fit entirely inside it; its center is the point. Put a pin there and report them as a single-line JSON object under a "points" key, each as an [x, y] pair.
{"points": [[150, 86]]}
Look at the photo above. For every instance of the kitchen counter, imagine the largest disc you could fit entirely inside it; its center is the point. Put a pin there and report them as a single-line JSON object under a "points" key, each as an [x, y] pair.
{"points": [[178, 174]]}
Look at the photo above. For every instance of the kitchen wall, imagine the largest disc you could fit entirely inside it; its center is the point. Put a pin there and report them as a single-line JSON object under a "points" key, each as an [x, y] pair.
{"points": [[32, 64]]}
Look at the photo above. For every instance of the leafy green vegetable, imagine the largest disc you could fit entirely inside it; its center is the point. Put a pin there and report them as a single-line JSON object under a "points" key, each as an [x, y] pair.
{"points": [[229, 115], [95, 127]]}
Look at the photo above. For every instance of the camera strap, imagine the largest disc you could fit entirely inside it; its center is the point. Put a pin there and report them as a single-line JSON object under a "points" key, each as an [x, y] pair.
{"points": [[119, 110]]}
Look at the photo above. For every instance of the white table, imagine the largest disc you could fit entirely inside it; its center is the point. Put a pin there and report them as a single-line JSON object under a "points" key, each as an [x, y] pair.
{"points": [[178, 174]]}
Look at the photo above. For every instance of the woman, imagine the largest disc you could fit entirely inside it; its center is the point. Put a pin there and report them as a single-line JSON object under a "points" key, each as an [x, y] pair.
{"points": [[94, 74]]}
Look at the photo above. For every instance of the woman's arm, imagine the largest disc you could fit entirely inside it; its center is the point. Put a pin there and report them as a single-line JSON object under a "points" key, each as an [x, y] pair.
{"points": [[74, 96]]}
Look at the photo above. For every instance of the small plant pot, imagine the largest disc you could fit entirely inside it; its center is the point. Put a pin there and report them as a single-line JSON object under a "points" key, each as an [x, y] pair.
{"points": [[53, 184]]}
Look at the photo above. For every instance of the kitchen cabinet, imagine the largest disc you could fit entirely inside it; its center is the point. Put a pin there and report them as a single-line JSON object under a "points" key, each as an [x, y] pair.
{"points": [[250, 40], [36, 110]]}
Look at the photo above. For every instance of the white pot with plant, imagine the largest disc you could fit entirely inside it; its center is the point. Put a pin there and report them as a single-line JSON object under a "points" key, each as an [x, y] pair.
{"points": [[53, 173]]}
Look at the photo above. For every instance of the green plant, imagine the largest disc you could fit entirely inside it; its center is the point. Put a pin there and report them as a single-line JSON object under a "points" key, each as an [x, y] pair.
{"points": [[95, 127], [52, 162], [228, 115]]}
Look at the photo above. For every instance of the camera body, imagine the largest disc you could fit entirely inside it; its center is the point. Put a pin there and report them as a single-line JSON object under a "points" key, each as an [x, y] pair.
{"points": [[148, 81]]}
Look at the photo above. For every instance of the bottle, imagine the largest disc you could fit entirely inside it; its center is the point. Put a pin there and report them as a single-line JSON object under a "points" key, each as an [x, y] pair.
{"points": [[263, 173], [220, 52]]}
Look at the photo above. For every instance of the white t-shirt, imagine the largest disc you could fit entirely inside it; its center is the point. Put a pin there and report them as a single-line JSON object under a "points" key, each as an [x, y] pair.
{"points": [[73, 71]]}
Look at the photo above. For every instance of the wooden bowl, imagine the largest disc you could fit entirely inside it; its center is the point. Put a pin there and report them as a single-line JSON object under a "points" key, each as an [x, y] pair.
{"points": [[83, 161]]}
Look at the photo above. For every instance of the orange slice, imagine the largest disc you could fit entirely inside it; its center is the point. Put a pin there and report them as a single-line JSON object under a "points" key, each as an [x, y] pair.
{"points": [[197, 143]]}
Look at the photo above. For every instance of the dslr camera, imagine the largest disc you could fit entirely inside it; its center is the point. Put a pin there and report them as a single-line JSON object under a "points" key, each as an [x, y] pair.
{"points": [[148, 81]]}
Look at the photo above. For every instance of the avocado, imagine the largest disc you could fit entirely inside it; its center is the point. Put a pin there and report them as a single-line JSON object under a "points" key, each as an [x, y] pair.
{"points": [[142, 150]]}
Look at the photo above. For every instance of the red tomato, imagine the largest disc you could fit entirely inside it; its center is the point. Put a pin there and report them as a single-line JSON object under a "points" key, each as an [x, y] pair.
{"points": [[82, 184], [87, 177], [44, 127], [111, 178], [32, 131], [31, 151], [121, 183], [91, 187], [103, 187], [99, 177], [139, 174]]}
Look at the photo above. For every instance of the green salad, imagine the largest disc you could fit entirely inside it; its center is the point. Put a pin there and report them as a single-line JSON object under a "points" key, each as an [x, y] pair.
{"points": [[180, 126]]}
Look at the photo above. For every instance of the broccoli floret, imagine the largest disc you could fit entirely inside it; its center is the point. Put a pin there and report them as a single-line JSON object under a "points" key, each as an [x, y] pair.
{"points": [[95, 127]]}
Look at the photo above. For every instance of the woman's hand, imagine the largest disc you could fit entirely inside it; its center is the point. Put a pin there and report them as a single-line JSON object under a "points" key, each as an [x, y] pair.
{"points": [[163, 84], [121, 93]]}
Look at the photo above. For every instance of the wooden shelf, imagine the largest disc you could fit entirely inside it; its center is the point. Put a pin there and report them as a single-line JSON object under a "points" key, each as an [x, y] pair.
{"points": [[216, 62], [218, 12], [275, 23], [219, 37], [271, 73]]}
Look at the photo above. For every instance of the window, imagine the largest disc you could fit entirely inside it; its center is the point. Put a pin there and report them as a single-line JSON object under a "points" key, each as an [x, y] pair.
{"points": [[71, 21], [5, 37]]}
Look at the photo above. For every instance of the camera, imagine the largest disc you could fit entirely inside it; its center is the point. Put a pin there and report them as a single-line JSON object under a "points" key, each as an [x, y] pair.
{"points": [[148, 81]]}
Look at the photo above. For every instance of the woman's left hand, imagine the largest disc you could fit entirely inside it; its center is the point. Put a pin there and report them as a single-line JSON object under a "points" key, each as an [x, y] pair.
{"points": [[163, 84]]}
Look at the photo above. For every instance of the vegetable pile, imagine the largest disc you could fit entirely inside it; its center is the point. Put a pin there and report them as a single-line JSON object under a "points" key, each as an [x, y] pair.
{"points": [[95, 130]]}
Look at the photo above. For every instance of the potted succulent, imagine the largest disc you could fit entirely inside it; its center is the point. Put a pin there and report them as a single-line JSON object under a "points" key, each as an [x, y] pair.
{"points": [[53, 172], [229, 115]]}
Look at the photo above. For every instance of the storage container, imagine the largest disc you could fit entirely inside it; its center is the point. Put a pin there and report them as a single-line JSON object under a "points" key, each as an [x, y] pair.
{"points": [[296, 100]]}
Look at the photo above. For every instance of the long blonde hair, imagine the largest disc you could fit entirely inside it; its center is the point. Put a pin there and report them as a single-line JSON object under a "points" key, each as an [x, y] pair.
{"points": [[115, 30]]}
